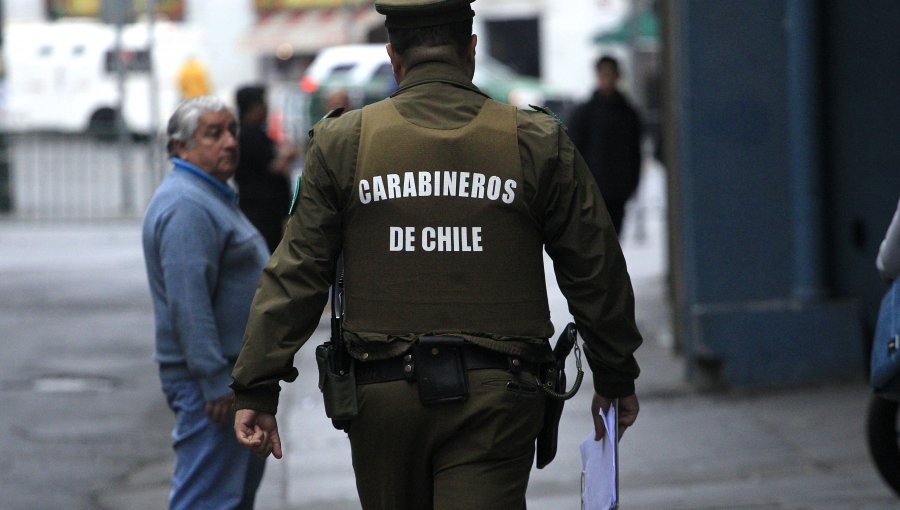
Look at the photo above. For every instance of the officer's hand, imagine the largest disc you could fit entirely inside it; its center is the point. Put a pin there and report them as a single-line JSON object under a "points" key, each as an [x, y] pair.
{"points": [[628, 411], [219, 411], [258, 431]]}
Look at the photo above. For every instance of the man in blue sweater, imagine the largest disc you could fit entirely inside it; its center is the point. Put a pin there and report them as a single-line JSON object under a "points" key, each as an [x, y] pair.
{"points": [[203, 261]]}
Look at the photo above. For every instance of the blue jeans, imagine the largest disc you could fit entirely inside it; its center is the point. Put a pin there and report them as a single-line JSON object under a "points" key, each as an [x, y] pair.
{"points": [[211, 470]]}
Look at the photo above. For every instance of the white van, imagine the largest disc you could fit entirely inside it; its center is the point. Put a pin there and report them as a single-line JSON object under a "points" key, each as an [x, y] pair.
{"points": [[61, 76], [364, 69]]}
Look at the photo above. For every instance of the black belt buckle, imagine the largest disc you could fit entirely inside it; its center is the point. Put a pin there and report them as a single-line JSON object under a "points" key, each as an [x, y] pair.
{"points": [[440, 372]]}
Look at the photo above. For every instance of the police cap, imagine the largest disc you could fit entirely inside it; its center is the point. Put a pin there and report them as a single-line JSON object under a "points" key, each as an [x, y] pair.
{"points": [[423, 13]]}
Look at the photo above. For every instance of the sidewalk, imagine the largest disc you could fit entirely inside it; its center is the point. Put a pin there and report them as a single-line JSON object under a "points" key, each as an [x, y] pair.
{"points": [[800, 448]]}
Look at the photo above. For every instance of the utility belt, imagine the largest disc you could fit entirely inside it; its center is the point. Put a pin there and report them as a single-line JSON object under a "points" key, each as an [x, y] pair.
{"points": [[472, 357], [437, 364]]}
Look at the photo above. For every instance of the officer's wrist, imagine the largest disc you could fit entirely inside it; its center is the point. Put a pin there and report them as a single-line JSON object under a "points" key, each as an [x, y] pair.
{"points": [[257, 399]]}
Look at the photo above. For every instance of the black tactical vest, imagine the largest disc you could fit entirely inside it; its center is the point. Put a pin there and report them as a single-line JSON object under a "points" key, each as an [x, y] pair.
{"points": [[438, 235]]}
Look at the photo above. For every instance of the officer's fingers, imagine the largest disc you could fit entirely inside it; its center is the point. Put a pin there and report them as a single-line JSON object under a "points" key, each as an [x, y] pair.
{"points": [[628, 413], [599, 407], [600, 404], [253, 436], [245, 428], [262, 446], [275, 440], [241, 429], [599, 427], [246, 436], [627, 420], [622, 429], [262, 450], [249, 437], [245, 418], [247, 441]]}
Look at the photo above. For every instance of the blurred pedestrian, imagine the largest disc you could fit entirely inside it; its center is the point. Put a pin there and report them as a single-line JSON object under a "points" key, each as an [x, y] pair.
{"points": [[337, 98], [193, 79], [441, 201], [264, 171], [607, 131], [888, 260], [203, 260]]}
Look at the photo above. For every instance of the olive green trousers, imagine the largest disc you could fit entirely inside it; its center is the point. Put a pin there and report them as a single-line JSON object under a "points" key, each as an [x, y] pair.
{"points": [[471, 455]]}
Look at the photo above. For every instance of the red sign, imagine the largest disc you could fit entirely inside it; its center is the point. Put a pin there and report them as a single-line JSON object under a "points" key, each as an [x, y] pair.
{"points": [[265, 6]]}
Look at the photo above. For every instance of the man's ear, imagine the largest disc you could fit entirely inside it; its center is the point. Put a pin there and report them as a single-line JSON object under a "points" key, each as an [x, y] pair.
{"points": [[395, 63], [178, 147], [469, 64]]}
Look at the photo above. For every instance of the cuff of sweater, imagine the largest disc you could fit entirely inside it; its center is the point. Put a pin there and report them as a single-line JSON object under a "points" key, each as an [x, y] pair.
{"points": [[612, 388], [257, 399], [215, 386]]}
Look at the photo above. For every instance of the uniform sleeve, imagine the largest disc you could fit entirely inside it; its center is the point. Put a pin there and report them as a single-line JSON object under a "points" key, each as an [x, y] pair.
{"points": [[189, 252], [590, 269], [293, 290], [888, 260]]}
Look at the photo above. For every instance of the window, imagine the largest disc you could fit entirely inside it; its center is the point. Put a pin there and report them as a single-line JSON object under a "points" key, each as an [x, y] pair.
{"points": [[135, 61]]}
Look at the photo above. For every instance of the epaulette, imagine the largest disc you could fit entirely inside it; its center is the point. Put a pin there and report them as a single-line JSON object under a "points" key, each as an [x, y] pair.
{"points": [[548, 111], [333, 114]]}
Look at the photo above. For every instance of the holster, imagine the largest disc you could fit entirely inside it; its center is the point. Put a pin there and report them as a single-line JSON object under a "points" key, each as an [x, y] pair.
{"points": [[338, 385], [553, 377], [337, 378]]}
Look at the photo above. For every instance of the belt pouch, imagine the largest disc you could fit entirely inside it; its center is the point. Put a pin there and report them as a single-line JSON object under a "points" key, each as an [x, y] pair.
{"points": [[440, 373], [338, 388]]}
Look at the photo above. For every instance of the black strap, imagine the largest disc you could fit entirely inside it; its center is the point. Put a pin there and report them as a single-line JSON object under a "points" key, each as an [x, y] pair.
{"points": [[474, 358]]}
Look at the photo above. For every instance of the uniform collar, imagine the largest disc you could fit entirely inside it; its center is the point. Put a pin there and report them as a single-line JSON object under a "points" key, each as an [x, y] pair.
{"points": [[435, 71], [190, 168]]}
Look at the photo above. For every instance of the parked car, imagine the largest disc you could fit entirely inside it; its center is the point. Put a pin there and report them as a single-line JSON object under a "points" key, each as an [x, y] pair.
{"points": [[362, 70]]}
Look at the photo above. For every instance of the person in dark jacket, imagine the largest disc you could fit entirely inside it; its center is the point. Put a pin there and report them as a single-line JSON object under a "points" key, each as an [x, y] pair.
{"points": [[263, 173], [607, 131]]}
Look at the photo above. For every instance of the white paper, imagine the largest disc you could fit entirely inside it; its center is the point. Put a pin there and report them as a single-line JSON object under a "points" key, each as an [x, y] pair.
{"points": [[598, 467]]}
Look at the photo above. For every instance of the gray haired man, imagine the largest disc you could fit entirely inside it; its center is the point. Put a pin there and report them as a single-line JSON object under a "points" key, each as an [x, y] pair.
{"points": [[203, 260]]}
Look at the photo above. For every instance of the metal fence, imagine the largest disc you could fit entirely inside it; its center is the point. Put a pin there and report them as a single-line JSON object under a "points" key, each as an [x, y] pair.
{"points": [[66, 176]]}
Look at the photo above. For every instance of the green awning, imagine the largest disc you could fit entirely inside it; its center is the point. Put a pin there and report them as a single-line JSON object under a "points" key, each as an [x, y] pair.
{"points": [[643, 26]]}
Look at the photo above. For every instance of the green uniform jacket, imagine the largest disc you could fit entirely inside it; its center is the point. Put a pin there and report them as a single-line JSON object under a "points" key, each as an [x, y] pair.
{"points": [[578, 236]]}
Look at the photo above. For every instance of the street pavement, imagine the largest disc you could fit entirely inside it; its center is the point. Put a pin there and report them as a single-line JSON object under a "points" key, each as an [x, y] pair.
{"points": [[86, 426]]}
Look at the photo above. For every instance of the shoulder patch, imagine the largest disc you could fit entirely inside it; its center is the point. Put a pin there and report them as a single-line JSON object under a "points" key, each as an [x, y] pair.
{"points": [[548, 111], [296, 196]]}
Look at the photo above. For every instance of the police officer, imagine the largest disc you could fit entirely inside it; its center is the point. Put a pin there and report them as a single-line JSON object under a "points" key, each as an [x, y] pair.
{"points": [[440, 201]]}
